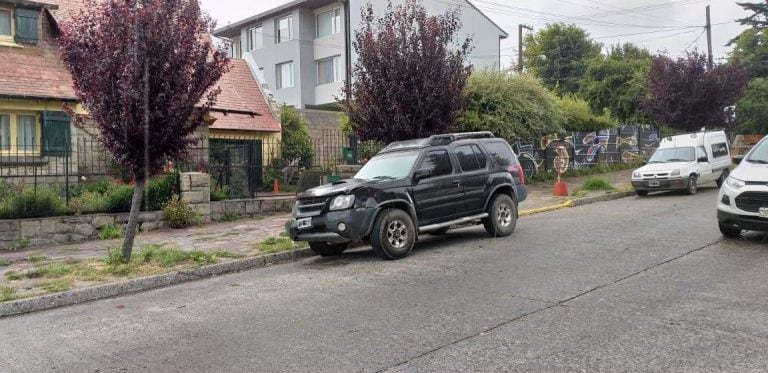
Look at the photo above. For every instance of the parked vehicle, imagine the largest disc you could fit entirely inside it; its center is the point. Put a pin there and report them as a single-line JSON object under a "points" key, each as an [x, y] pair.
{"points": [[743, 199], [684, 162], [411, 188]]}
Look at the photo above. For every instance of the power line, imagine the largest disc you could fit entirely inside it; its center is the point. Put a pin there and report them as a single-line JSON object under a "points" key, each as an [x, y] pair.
{"points": [[694, 41]]}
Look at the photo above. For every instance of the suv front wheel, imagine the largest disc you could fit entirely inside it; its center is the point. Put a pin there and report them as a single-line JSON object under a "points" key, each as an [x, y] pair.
{"points": [[394, 234], [502, 216]]}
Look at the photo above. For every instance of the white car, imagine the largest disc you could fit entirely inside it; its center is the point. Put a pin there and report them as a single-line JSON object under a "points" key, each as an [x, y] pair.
{"points": [[684, 162], [743, 200]]}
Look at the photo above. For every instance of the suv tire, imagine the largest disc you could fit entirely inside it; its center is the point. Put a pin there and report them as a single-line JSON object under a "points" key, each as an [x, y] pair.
{"points": [[729, 231], [693, 187], [394, 234], [328, 249], [502, 216], [642, 193]]}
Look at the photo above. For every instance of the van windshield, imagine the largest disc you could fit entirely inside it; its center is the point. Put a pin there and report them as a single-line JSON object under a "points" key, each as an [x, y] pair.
{"points": [[759, 154], [668, 155]]}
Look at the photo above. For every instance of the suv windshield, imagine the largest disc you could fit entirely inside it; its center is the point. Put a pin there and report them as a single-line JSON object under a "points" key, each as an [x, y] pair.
{"points": [[686, 154], [759, 154], [388, 166]]}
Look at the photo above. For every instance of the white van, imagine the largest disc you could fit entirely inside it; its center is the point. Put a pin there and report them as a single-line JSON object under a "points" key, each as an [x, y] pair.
{"points": [[684, 162], [743, 200]]}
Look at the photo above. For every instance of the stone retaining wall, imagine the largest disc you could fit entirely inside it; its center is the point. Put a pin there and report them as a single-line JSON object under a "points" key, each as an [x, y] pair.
{"points": [[65, 229], [240, 208]]}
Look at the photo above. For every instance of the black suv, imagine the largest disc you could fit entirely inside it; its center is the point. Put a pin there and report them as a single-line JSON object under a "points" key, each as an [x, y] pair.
{"points": [[414, 187]]}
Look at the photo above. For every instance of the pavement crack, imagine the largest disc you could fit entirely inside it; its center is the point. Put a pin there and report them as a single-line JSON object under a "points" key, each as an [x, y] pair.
{"points": [[550, 306]]}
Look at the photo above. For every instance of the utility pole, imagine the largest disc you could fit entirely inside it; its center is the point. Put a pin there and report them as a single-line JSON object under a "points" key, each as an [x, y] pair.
{"points": [[520, 46], [709, 38]]}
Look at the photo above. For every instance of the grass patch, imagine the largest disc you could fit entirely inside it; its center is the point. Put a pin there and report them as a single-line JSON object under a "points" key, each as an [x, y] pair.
{"points": [[110, 232], [596, 183], [7, 293], [5, 262], [227, 254], [13, 275], [34, 259], [56, 286], [594, 170], [227, 217], [53, 270], [273, 245], [172, 257]]}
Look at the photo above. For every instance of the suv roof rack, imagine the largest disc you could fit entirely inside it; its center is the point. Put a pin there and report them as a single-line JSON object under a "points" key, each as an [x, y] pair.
{"points": [[451, 137]]}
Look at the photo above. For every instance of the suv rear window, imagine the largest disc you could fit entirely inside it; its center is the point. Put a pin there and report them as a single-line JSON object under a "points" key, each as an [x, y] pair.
{"points": [[470, 158], [501, 153]]}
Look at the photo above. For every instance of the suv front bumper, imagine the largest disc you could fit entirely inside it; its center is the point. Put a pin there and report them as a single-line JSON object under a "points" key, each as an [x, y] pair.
{"points": [[730, 215], [356, 224]]}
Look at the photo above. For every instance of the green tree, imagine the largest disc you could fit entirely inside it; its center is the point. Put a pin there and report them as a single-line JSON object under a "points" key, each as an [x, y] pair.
{"points": [[577, 116], [511, 106], [558, 53], [752, 108], [750, 49], [296, 141], [618, 82]]}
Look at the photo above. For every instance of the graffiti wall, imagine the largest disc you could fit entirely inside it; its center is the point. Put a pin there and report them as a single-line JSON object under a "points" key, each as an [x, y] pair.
{"points": [[586, 149]]}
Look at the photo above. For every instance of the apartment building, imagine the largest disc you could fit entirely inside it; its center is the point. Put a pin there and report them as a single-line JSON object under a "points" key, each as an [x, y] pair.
{"points": [[301, 51]]}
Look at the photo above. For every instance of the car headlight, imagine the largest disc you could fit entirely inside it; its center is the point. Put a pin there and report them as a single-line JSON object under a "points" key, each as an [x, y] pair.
{"points": [[734, 183], [674, 173], [637, 175], [342, 202]]}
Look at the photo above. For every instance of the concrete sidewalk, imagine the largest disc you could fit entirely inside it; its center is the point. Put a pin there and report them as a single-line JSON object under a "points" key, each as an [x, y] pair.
{"points": [[239, 237]]}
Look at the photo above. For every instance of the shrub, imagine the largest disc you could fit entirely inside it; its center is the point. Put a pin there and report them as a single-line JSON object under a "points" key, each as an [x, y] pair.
{"points": [[220, 193], [31, 203], [596, 183], [114, 257], [160, 190], [110, 232], [179, 214], [119, 198], [88, 202]]}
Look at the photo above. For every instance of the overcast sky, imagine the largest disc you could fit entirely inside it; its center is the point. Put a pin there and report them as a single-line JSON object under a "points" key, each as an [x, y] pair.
{"points": [[659, 25]]}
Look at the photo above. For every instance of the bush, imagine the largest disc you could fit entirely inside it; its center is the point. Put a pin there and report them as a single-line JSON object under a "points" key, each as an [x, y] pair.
{"points": [[220, 193], [296, 141], [596, 183], [160, 190], [110, 232], [88, 203], [179, 214], [119, 199], [31, 203], [578, 116]]}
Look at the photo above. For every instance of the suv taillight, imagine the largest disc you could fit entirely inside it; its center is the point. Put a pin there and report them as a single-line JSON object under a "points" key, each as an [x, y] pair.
{"points": [[518, 168]]}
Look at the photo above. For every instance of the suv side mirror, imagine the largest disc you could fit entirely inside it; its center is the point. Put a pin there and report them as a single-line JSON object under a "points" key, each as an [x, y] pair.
{"points": [[703, 159], [422, 174], [738, 158]]}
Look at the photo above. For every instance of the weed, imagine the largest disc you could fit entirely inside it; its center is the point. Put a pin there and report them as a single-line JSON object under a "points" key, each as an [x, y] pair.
{"points": [[56, 270], [110, 232], [226, 254], [5, 262], [13, 275], [594, 170], [171, 257], [578, 193], [272, 245], [32, 203], [7, 293], [179, 214], [55, 286], [596, 183], [114, 256], [34, 259], [227, 217]]}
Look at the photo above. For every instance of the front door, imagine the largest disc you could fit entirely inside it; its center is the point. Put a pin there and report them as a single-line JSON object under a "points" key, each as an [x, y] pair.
{"points": [[440, 196], [705, 168]]}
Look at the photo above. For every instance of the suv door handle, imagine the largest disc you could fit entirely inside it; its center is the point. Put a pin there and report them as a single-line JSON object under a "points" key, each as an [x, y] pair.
{"points": [[457, 182]]}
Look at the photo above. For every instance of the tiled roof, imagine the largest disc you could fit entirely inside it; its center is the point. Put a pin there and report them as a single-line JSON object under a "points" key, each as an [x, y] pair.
{"points": [[240, 92]]}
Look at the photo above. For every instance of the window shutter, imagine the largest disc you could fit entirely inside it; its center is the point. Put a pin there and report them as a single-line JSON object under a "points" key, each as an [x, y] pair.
{"points": [[26, 25], [56, 133]]}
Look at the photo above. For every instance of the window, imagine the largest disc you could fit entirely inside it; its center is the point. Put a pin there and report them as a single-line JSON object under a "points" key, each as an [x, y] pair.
{"points": [[720, 150], [255, 38], [470, 158], [329, 70], [6, 30], [234, 49], [284, 75], [329, 23], [284, 27], [501, 153], [19, 133], [701, 153], [439, 162]]}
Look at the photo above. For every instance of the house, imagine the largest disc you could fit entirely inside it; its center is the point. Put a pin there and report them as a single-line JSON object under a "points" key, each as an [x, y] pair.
{"points": [[302, 50], [39, 143]]}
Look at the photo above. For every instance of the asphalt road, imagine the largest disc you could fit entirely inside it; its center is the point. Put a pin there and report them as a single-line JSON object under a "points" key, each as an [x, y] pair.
{"points": [[637, 284]]}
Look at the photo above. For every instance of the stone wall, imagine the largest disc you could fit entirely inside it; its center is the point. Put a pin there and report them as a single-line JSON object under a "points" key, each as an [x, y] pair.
{"points": [[196, 189], [67, 229], [241, 208]]}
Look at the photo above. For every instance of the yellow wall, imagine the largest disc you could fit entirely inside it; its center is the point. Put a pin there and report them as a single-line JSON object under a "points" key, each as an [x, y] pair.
{"points": [[39, 105], [269, 146]]}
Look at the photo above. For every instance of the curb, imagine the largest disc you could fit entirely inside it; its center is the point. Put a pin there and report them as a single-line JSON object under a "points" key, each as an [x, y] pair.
{"points": [[67, 298], [566, 204], [579, 202]]}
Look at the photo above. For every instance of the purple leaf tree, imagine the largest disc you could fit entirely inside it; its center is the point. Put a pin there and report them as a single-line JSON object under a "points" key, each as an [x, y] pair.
{"points": [[409, 76], [145, 70]]}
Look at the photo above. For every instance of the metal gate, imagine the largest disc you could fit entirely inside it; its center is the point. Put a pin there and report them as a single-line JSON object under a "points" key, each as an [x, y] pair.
{"points": [[236, 165]]}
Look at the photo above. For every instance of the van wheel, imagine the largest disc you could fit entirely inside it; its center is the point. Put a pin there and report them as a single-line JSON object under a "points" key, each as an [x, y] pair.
{"points": [[502, 216], [394, 234], [328, 249], [722, 178], [729, 231], [641, 193], [693, 187]]}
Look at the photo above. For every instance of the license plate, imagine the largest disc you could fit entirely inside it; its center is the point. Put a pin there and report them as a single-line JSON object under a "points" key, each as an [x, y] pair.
{"points": [[764, 212], [305, 223], [654, 183]]}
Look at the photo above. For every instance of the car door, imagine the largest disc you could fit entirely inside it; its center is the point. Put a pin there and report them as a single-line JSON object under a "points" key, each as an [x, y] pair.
{"points": [[704, 168], [440, 196], [474, 176]]}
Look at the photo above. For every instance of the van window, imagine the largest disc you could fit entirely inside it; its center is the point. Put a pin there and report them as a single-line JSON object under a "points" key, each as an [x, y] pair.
{"points": [[501, 153], [719, 150], [701, 153]]}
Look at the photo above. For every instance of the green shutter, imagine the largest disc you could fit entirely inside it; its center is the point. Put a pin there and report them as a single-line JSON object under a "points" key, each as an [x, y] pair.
{"points": [[26, 25], [56, 133]]}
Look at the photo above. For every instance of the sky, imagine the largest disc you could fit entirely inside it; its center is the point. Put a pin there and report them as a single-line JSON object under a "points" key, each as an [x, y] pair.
{"points": [[670, 26]]}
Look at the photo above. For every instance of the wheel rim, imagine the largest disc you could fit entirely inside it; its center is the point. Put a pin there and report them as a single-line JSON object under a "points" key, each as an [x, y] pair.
{"points": [[692, 185], [397, 234], [504, 215]]}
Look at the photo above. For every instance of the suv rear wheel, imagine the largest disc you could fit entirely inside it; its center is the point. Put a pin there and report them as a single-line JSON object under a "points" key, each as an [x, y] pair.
{"points": [[502, 216], [328, 249], [394, 234]]}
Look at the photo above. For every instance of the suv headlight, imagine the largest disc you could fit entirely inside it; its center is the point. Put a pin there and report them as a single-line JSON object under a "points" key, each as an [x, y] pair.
{"points": [[674, 173], [342, 202], [735, 183]]}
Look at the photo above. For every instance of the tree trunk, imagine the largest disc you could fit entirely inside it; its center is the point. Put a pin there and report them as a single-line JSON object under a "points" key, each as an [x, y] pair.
{"points": [[133, 219]]}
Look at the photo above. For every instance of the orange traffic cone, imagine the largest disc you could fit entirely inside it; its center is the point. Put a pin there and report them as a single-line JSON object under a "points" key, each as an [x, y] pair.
{"points": [[275, 186], [561, 189]]}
